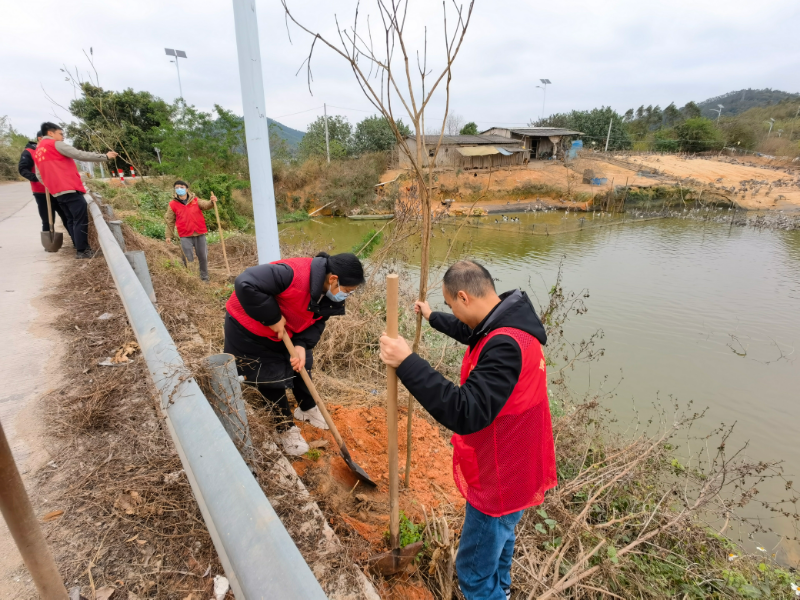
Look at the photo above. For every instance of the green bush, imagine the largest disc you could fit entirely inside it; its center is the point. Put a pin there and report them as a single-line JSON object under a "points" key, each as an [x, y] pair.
{"points": [[148, 225], [699, 135]]}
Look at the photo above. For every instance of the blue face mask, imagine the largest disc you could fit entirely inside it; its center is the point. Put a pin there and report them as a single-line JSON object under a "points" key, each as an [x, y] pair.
{"points": [[338, 297], [180, 191]]}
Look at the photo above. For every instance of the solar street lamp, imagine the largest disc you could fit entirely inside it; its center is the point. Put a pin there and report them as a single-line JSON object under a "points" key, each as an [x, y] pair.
{"points": [[545, 83], [771, 123], [177, 54], [719, 111]]}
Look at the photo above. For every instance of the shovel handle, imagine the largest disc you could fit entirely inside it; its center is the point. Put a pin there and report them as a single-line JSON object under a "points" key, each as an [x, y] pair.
{"points": [[49, 211], [392, 285], [222, 238], [314, 394]]}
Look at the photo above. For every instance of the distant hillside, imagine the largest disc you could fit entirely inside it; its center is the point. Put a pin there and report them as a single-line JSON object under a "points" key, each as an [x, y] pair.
{"points": [[742, 100], [292, 136]]}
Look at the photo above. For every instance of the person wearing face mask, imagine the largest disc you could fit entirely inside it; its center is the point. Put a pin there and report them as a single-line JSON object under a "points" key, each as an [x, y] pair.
{"points": [[185, 212], [296, 296]]}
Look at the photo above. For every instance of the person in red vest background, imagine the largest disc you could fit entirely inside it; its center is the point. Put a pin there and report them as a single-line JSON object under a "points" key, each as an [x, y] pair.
{"points": [[27, 168], [296, 296], [55, 167], [185, 213], [503, 451]]}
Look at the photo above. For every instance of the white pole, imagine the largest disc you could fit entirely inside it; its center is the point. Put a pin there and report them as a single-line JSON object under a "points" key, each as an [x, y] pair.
{"points": [[256, 130], [544, 99], [102, 172], [180, 87], [608, 137], [327, 142]]}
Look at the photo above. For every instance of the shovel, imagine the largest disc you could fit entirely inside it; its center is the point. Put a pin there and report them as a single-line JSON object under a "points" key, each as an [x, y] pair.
{"points": [[231, 279], [359, 472], [395, 561], [50, 239]]}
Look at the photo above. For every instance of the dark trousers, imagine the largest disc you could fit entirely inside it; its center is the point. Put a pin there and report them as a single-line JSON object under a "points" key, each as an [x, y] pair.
{"points": [[280, 401], [74, 206], [41, 204]]}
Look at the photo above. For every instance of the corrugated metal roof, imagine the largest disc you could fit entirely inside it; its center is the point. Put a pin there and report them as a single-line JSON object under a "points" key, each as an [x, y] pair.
{"points": [[478, 151], [466, 140], [537, 131]]}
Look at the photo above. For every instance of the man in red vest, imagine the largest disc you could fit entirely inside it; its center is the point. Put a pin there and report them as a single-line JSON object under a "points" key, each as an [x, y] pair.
{"points": [[55, 167], [27, 168], [503, 452], [186, 213]]}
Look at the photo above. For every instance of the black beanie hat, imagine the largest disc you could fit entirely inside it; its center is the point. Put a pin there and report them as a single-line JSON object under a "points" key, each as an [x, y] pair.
{"points": [[346, 267]]}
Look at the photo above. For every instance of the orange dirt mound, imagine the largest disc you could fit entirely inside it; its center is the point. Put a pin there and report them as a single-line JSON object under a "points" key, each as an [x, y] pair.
{"points": [[366, 509]]}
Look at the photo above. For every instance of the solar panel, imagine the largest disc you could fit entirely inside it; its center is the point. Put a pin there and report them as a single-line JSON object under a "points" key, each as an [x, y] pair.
{"points": [[169, 51], [180, 53]]}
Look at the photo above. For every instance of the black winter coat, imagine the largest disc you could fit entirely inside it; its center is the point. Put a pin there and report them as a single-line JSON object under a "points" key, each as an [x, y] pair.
{"points": [[260, 359], [471, 407], [26, 166]]}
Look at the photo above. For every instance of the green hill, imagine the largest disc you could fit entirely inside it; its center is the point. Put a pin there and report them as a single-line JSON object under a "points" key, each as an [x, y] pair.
{"points": [[739, 101], [292, 136]]}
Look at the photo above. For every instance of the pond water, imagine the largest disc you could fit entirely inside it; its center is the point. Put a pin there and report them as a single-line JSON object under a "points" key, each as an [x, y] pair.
{"points": [[697, 310]]}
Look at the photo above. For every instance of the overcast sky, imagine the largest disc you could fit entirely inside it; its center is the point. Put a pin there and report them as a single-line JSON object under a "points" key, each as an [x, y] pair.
{"points": [[621, 53]]}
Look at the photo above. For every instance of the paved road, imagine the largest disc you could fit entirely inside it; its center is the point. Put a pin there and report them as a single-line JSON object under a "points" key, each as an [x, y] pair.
{"points": [[29, 349]]}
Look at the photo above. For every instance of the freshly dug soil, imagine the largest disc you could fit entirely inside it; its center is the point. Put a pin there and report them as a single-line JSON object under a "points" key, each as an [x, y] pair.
{"points": [[364, 510]]}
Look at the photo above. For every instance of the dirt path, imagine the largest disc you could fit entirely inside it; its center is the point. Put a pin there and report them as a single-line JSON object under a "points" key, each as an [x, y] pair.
{"points": [[30, 348]]}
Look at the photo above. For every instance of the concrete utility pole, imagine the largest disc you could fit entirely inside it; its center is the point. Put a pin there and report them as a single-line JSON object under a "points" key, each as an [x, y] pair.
{"points": [[608, 137], [327, 141], [256, 130]]}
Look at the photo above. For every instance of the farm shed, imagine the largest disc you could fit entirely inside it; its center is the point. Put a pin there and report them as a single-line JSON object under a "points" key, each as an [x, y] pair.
{"points": [[467, 151], [539, 142]]}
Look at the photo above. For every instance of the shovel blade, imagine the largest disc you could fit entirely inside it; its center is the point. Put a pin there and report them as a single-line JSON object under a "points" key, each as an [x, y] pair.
{"points": [[358, 471], [52, 241], [395, 561]]}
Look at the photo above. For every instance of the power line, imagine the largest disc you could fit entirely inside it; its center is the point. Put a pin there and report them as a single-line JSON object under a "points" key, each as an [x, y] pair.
{"points": [[297, 113]]}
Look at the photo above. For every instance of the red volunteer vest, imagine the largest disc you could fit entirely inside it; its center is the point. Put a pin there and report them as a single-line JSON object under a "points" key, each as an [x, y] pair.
{"points": [[293, 302], [36, 187], [509, 465], [58, 172], [188, 218]]}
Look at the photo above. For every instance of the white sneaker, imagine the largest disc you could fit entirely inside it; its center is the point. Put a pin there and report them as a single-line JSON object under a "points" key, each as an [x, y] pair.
{"points": [[313, 416], [293, 442]]}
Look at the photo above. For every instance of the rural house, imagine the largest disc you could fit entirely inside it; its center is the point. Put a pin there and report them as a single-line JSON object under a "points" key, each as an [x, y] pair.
{"points": [[538, 142], [467, 151]]}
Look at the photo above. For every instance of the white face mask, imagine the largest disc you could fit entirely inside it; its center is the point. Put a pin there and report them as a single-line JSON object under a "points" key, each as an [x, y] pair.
{"points": [[180, 191]]}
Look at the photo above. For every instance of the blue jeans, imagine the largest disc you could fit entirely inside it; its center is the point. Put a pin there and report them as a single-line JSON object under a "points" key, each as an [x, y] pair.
{"points": [[484, 555]]}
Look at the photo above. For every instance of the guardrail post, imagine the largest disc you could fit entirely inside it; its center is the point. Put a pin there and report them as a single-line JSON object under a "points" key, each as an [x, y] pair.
{"points": [[139, 265], [116, 229], [24, 528], [228, 402], [108, 210]]}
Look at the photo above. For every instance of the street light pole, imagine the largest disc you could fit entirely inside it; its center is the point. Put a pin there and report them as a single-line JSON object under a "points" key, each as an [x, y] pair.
{"points": [[256, 130], [608, 136], [327, 141], [544, 85], [719, 111], [177, 54], [771, 123]]}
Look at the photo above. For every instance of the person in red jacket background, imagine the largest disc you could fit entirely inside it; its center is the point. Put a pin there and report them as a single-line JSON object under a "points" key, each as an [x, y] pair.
{"points": [[27, 168], [503, 451], [55, 167], [185, 213]]}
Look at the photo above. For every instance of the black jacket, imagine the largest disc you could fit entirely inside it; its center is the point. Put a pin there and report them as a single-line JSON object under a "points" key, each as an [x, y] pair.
{"points": [[26, 166], [257, 287], [471, 407]]}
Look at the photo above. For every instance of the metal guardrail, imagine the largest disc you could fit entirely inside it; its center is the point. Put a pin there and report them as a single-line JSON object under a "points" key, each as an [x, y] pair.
{"points": [[258, 555]]}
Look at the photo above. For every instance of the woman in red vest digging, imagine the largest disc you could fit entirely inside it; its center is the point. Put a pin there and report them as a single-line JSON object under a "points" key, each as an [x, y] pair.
{"points": [[295, 295], [185, 213], [503, 453]]}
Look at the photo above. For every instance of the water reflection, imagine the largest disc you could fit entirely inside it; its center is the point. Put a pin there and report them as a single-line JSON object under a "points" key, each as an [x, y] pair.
{"points": [[699, 311]]}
